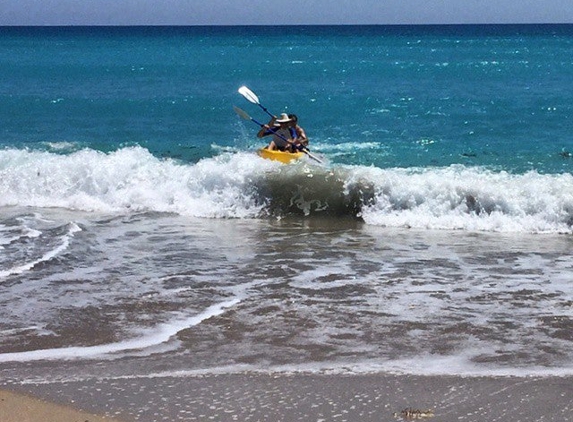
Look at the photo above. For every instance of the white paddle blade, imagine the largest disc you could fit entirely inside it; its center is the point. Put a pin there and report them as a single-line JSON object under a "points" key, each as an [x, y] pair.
{"points": [[241, 113], [248, 94]]}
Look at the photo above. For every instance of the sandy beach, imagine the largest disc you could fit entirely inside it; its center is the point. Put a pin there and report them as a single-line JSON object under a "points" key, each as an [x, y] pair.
{"points": [[299, 397], [23, 408]]}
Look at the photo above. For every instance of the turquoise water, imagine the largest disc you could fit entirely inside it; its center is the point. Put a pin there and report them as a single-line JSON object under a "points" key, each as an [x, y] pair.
{"points": [[494, 96]]}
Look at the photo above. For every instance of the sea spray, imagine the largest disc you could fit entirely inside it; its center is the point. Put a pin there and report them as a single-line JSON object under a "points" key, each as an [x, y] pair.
{"points": [[242, 185]]}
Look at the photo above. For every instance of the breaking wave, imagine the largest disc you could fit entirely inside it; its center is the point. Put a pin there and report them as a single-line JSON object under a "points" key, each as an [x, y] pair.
{"points": [[242, 185]]}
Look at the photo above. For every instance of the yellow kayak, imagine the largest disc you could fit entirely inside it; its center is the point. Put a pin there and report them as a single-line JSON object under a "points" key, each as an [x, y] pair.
{"points": [[282, 156]]}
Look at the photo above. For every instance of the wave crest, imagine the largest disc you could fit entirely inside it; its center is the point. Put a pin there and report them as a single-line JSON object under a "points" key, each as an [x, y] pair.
{"points": [[242, 185]]}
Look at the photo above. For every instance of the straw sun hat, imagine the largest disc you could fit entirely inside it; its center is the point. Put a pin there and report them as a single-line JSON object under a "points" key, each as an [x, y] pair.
{"points": [[283, 118]]}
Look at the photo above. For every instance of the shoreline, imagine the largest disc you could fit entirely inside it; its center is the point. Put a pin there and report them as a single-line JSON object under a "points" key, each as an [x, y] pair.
{"points": [[295, 397]]}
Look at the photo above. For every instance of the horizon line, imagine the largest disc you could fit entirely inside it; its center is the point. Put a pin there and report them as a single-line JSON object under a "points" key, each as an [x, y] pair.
{"points": [[138, 25]]}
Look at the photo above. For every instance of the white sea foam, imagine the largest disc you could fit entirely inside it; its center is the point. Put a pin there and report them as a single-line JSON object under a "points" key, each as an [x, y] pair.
{"points": [[130, 179], [47, 256], [473, 199], [158, 335], [420, 366], [10, 234], [229, 186]]}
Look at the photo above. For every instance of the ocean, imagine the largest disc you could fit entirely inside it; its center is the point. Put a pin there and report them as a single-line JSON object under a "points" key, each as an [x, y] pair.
{"points": [[141, 235]]}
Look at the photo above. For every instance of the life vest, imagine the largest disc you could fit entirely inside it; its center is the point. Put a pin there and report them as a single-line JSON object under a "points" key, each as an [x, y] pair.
{"points": [[288, 133]]}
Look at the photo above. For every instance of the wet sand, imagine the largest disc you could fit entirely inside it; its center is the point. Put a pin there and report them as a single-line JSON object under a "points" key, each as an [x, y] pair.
{"points": [[353, 398]]}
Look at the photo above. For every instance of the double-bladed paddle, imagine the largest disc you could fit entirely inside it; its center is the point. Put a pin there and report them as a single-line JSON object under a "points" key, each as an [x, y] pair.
{"points": [[245, 116], [252, 97]]}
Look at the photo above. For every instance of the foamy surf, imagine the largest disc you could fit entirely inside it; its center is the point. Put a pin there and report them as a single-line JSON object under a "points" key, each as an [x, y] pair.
{"points": [[472, 199], [242, 185], [155, 336], [51, 249]]}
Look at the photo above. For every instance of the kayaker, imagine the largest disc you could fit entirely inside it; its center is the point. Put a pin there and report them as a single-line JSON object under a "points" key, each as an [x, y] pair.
{"points": [[280, 128], [301, 138]]}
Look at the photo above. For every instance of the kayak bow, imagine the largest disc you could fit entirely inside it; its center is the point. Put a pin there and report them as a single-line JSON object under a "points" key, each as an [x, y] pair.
{"points": [[282, 156]]}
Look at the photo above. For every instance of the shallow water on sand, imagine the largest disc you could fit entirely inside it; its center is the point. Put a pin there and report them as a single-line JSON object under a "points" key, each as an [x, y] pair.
{"points": [[161, 293]]}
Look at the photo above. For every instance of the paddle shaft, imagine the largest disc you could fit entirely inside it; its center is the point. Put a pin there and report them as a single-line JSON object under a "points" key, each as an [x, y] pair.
{"points": [[253, 98], [247, 117], [266, 111]]}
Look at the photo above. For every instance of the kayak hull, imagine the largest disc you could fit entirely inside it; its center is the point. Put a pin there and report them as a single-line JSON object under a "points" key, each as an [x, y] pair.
{"points": [[282, 156]]}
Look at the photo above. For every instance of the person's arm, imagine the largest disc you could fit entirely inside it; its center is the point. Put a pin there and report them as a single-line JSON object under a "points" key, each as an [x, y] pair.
{"points": [[266, 129], [301, 136]]}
